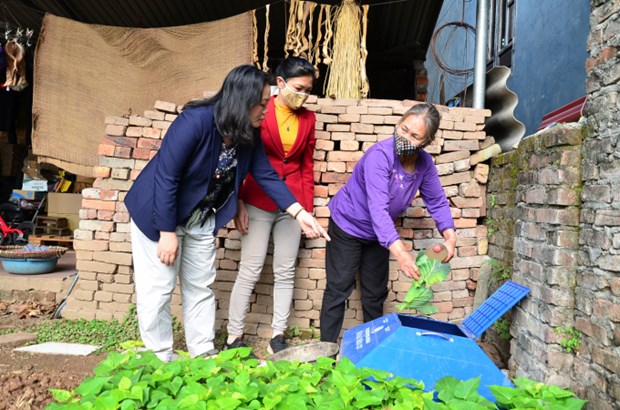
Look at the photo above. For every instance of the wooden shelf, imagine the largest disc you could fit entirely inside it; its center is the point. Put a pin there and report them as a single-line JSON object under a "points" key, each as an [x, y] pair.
{"points": [[51, 240]]}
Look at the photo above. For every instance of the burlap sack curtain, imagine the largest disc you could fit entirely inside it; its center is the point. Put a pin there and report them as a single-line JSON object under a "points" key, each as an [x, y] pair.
{"points": [[84, 73]]}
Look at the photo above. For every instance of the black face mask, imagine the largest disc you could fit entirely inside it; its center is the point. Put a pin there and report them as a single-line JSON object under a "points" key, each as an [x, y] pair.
{"points": [[404, 148]]}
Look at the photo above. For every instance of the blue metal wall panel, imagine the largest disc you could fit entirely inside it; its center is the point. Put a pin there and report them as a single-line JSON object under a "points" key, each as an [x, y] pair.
{"points": [[549, 54], [549, 57]]}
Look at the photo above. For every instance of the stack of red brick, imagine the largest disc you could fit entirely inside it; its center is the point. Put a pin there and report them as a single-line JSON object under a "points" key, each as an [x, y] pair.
{"points": [[344, 130]]}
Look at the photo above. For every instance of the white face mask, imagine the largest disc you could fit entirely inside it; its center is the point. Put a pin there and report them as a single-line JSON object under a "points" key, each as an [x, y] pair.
{"points": [[295, 99]]}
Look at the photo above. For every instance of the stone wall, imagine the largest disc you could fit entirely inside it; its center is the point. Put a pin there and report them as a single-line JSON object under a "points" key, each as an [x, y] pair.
{"points": [[561, 191], [501, 207], [344, 130], [597, 317], [546, 250], [537, 192], [48, 289]]}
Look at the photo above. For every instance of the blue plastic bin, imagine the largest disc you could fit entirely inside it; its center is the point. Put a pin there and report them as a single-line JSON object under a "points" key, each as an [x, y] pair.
{"points": [[427, 350]]}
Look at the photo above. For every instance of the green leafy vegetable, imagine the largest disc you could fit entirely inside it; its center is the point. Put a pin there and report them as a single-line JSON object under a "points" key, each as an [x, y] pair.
{"points": [[529, 394], [420, 295]]}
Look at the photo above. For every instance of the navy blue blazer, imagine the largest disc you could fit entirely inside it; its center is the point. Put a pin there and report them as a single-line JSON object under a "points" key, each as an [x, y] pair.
{"points": [[172, 184]]}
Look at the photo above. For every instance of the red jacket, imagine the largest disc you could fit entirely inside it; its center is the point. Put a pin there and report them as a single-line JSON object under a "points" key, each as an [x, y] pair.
{"points": [[295, 168]]}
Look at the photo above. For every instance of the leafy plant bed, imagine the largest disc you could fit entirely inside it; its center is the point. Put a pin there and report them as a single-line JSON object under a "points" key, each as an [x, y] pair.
{"points": [[232, 380]]}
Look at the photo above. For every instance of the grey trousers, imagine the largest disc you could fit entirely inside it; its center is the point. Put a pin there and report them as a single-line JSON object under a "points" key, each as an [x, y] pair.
{"points": [[286, 238], [155, 283]]}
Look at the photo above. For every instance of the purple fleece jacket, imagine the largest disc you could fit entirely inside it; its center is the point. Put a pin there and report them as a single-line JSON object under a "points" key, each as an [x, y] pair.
{"points": [[379, 190]]}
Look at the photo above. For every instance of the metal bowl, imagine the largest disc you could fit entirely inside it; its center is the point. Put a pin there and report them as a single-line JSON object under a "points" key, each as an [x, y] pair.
{"points": [[29, 266], [307, 353]]}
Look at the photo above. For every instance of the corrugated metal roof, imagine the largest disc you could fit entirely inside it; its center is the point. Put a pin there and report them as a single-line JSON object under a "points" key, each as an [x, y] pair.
{"points": [[398, 30], [130, 13]]}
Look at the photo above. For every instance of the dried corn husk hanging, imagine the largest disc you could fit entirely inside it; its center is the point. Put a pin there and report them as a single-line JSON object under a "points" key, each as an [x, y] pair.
{"points": [[329, 32], [266, 40], [308, 46], [289, 41], [345, 74], [255, 40], [297, 43], [302, 41], [255, 59], [315, 53], [365, 86]]}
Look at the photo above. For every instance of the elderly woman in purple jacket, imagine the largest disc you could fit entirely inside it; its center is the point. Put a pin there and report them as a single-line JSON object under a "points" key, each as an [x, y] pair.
{"points": [[361, 227], [185, 194]]}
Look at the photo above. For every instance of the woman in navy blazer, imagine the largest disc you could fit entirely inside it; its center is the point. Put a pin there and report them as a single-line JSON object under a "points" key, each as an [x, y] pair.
{"points": [[185, 194]]}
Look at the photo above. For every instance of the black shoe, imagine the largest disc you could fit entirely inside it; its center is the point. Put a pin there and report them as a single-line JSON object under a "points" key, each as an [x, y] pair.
{"points": [[277, 344], [238, 342]]}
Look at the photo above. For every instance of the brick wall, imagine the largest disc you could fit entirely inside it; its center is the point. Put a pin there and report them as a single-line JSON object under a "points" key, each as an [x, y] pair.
{"points": [[344, 130]]}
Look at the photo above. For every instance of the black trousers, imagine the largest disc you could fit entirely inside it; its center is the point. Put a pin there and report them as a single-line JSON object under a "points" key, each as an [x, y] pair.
{"points": [[345, 256]]}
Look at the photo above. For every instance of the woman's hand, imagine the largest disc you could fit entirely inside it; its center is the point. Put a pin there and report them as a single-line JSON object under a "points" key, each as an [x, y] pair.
{"points": [[168, 248], [310, 226], [242, 219], [450, 243], [406, 263]]}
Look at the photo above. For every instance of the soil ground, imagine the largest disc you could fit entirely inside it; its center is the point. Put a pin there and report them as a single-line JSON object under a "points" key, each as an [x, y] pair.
{"points": [[26, 377]]}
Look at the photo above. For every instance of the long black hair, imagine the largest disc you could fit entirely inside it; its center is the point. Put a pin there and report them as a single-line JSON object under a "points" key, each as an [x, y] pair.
{"points": [[295, 67], [241, 91]]}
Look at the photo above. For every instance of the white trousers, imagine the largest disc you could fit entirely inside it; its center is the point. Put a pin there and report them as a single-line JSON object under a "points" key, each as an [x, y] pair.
{"points": [[286, 238], [155, 283]]}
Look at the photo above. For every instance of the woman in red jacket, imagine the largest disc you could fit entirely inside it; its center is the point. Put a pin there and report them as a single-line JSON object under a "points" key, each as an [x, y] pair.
{"points": [[288, 136]]}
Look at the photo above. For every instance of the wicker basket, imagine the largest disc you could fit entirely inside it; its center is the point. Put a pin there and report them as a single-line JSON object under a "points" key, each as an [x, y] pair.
{"points": [[14, 252]]}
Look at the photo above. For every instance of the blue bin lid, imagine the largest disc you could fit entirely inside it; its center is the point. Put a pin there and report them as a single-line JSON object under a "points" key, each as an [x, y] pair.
{"points": [[508, 295]]}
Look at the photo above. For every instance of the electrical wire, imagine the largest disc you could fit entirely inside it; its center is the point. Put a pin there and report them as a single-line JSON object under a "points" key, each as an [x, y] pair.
{"points": [[453, 78], [443, 66]]}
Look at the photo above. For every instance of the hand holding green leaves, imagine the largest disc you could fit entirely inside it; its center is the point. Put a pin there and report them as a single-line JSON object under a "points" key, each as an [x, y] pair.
{"points": [[406, 264], [420, 296]]}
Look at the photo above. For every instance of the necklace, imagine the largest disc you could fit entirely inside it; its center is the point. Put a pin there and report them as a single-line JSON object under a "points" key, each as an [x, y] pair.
{"points": [[288, 122], [287, 116]]}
